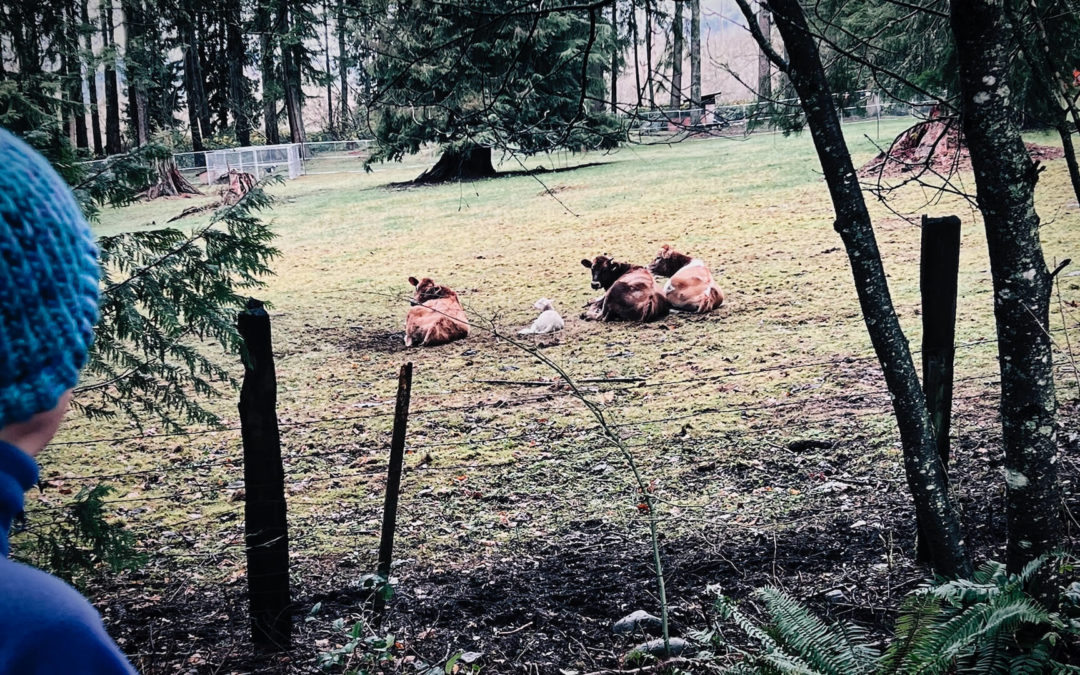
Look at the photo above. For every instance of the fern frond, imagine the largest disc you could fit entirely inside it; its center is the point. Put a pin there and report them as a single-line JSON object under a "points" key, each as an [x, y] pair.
{"points": [[839, 648], [914, 627]]}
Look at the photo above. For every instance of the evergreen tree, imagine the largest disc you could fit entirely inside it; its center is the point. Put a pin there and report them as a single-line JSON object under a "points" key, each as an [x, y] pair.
{"points": [[473, 76]]}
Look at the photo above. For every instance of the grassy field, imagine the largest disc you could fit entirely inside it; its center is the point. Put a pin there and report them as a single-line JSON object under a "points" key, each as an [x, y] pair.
{"points": [[510, 469]]}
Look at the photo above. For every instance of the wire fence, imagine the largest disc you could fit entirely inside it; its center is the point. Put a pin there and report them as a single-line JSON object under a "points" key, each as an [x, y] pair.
{"points": [[746, 118], [353, 156]]}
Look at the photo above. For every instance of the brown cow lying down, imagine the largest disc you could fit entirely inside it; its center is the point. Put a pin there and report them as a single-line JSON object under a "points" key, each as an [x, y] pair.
{"points": [[631, 294], [437, 317], [691, 287]]}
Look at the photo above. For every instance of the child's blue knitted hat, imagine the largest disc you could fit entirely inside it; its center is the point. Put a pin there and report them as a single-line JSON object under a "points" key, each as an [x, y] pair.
{"points": [[48, 284]]}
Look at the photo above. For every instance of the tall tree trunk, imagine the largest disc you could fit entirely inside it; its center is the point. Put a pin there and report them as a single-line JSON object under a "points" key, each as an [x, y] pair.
{"points": [[71, 65], [113, 143], [91, 78], [268, 72], [135, 24], [1005, 180], [1051, 80], [223, 105], [615, 57], [764, 22], [637, 57], [329, 81], [925, 475], [648, 54], [343, 68], [1070, 156], [191, 86], [294, 94], [142, 125], [677, 56], [237, 57], [201, 64], [695, 60]]}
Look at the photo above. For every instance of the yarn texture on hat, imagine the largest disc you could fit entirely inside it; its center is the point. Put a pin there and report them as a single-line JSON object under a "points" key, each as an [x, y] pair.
{"points": [[48, 283]]}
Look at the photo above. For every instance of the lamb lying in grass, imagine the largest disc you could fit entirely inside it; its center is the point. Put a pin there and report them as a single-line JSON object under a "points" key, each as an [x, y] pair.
{"points": [[549, 320]]}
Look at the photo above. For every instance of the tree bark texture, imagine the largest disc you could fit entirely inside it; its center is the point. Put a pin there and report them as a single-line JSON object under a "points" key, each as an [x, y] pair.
{"points": [[1005, 180], [343, 68], [91, 77], [1070, 156], [292, 81], [467, 164], [71, 64], [171, 182], [764, 22], [191, 86], [925, 475], [677, 55], [203, 62], [113, 143], [637, 57], [695, 59], [268, 72], [237, 56], [648, 54], [615, 57], [1051, 79], [326, 54]]}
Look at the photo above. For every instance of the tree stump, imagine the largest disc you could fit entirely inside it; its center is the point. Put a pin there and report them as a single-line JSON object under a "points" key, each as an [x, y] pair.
{"points": [[171, 183], [470, 163]]}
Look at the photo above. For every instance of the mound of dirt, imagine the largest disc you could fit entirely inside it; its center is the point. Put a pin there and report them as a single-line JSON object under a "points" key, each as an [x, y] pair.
{"points": [[935, 146]]}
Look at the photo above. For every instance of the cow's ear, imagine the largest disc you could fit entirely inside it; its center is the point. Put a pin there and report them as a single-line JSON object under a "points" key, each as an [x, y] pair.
{"points": [[413, 281], [586, 263]]}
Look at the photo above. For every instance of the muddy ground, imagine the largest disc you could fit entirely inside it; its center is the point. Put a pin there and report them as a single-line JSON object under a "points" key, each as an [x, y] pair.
{"points": [[547, 606]]}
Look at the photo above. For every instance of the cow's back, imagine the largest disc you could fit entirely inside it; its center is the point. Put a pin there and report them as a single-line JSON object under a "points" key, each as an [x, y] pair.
{"points": [[635, 297], [692, 289], [436, 322]]}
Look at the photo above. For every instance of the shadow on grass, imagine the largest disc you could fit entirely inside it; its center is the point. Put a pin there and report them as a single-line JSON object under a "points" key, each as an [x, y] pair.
{"points": [[530, 173]]}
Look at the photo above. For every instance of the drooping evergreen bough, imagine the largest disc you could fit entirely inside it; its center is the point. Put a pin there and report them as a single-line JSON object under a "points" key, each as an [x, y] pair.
{"points": [[482, 74]]}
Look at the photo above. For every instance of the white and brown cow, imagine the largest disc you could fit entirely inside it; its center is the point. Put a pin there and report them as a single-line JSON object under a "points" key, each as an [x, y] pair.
{"points": [[691, 287], [436, 318], [631, 292]]}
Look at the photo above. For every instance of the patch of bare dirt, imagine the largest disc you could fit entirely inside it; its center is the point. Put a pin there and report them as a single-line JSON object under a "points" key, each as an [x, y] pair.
{"points": [[359, 339], [547, 604], [935, 146]]}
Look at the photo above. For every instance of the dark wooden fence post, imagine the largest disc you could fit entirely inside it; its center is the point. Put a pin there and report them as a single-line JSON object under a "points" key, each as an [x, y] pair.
{"points": [[940, 266], [266, 533], [393, 479]]}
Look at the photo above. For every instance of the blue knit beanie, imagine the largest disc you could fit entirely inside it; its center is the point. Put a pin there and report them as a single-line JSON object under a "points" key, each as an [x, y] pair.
{"points": [[48, 284]]}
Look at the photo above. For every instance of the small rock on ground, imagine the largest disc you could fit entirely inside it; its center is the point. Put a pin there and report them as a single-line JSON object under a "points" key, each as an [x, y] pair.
{"points": [[676, 647], [639, 620]]}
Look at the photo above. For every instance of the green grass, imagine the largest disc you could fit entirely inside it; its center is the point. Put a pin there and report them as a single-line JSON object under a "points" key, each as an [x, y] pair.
{"points": [[756, 210]]}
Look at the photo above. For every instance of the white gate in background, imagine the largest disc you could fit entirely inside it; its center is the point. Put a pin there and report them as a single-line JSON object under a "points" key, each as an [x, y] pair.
{"points": [[258, 160]]}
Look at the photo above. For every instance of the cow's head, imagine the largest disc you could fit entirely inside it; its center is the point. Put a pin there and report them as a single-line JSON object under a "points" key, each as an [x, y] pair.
{"points": [[605, 271], [668, 261], [426, 289]]}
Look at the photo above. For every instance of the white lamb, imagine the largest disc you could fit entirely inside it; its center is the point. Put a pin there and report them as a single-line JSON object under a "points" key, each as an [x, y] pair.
{"points": [[549, 320]]}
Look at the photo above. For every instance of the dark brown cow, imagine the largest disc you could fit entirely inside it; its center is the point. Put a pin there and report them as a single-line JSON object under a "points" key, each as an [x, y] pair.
{"points": [[437, 317], [691, 287], [631, 294]]}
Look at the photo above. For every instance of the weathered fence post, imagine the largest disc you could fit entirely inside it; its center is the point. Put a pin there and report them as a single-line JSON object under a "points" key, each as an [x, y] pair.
{"points": [[940, 266], [266, 534], [393, 479]]}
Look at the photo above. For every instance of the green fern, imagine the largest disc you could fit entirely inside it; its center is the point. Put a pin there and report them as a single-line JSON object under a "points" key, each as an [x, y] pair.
{"points": [[987, 624], [837, 649]]}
